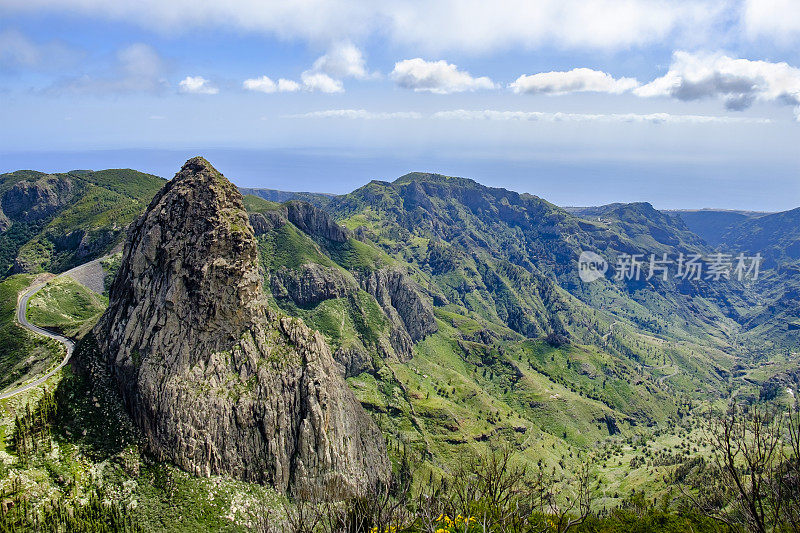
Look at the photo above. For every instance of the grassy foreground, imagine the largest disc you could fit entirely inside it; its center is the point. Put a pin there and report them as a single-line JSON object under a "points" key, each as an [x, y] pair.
{"points": [[66, 306]]}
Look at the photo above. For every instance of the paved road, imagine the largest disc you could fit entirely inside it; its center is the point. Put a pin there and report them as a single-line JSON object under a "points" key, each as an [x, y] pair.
{"points": [[22, 307], [675, 371]]}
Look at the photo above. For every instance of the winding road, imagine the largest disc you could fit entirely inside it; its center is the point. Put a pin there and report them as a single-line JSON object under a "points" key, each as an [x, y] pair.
{"points": [[22, 307], [90, 275]]}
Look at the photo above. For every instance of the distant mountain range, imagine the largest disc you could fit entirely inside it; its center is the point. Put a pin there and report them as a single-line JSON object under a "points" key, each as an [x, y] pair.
{"points": [[272, 195]]}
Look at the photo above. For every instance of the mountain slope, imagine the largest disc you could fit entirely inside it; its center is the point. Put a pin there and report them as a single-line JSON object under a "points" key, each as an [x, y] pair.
{"points": [[459, 369], [776, 237], [514, 256], [52, 222], [775, 320], [365, 303], [711, 224], [645, 225], [452, 312], [516, 333]]}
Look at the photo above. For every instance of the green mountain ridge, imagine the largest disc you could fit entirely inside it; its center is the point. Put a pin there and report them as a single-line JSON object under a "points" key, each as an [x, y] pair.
{"points": [[499, 268], [53, 222], [274, 195], [711, 224]]}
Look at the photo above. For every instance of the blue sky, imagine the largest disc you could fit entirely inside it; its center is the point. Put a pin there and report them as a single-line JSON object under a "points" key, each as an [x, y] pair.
{"points": [[681, 103]]}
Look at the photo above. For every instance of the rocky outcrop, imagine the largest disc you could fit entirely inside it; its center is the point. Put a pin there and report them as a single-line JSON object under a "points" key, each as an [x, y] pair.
{"points": [[217, 382], [314, 221], [263, 223], [311, 283], [403, 301], [408, 311], [84, 243], [33, 200], [354, 359], [5, 223], [309, 219], [73, 248]]}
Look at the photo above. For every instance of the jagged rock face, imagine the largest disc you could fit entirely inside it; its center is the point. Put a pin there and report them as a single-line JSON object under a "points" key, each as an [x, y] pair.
{"points": [[5, 223], [315, 222], [310, 219], [354, 359], [216, 381], [29, 201], [311, 283], [263, 223], [407, 309], [403, 302]]}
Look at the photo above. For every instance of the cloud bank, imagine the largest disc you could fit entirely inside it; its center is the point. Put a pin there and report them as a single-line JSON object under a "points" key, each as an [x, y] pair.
{"points": [[655, 118], [438, 25], [531, 116], [359, 114], [777, 20]]}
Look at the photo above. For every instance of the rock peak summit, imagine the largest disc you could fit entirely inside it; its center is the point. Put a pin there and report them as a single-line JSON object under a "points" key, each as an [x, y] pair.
{"points": [[218, 382]]}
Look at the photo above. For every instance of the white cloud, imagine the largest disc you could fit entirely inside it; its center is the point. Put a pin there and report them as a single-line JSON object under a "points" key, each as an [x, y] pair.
{"points": [[479, 26], [343, 60], [264, 84], [197, 85], [655, 118], [575, 80], [311, 81], [288, 86], [317, 81], [739, 82], [438, 25], [775, 19], [361, 114], [439, 77]]}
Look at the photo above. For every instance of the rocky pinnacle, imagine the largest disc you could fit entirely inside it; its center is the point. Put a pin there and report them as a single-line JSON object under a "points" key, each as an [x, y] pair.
{"points": [[219, 383]]}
